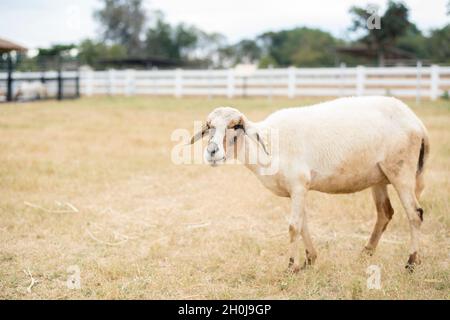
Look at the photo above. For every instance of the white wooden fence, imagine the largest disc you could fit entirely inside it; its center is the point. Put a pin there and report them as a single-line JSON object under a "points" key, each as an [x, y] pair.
{"points": [[426, 82]]}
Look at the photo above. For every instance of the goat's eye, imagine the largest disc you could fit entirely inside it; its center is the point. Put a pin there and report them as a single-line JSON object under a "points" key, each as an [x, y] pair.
{"points": [[238, 126]]}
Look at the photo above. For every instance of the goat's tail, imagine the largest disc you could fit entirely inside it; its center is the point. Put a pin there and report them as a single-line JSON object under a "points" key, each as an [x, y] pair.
{"points": [[423, 156]]}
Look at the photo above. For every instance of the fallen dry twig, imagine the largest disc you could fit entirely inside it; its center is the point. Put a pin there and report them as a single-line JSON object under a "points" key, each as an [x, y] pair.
{"points": [[71, 207], [198, 225], [118, 243], [33, 281]]}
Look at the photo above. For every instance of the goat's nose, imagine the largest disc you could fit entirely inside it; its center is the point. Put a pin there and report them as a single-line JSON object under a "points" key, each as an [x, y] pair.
{"points": [[212, 148]]}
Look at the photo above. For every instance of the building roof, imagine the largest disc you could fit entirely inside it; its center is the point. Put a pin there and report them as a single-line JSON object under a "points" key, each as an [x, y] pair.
{"points": [[364, 51], [142, 62], [7, 46]]}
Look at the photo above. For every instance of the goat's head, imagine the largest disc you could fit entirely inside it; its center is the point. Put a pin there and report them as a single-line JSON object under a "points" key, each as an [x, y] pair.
{"points": [[226, 128]]}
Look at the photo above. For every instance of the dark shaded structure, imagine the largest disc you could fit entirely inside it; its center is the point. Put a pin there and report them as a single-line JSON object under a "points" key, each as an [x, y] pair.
{"points": [[6, 47], [392, 55], [9, 51], [141, 63]]}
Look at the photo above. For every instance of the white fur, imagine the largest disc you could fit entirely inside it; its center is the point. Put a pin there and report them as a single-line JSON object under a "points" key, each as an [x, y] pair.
{"points": [[342, 146], [31, 90]]}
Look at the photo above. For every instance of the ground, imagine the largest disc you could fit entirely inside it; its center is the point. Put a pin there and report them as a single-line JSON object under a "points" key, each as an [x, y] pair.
{"points": [[88, 185]]}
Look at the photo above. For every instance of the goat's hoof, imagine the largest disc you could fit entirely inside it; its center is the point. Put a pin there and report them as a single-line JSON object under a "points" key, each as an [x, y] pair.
{"points": [[410, 267], [306, 266], [368, 252], [293, 269], [413, 261]]}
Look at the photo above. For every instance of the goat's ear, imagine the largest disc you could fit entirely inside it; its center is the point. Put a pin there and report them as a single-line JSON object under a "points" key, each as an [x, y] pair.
{"points": [[252, 132], [200, 134]]}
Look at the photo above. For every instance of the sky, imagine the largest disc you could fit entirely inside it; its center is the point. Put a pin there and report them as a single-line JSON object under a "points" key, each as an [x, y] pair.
{"points": [[40, 23]]}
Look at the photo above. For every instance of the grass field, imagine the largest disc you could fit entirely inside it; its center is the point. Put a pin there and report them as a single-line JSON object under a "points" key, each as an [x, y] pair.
{"points": [[90, 183]]}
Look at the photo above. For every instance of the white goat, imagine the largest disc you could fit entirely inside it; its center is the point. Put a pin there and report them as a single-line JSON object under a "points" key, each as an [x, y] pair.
{"points": [[31, 90], [342, 146]]}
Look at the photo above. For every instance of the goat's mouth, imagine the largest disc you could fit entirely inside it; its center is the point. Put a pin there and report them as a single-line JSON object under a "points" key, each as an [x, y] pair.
{"points": [[215, 163]]}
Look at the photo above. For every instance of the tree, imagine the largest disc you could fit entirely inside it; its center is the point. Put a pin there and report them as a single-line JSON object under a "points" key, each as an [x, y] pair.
{"points": [[186, 40], [414, 41], [173, 42], [123, 23], [47, 58], [180, 42], [90, 52], [56, 50], [299, 47], [209, 49], [394, 23], [439, 45], [245, 51], [158, 39]]}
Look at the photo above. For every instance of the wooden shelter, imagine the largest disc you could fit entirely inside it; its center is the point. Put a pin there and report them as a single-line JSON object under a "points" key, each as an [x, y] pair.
{"points": [[8, 53], [391, 55], [7, 46], [141, 62]]}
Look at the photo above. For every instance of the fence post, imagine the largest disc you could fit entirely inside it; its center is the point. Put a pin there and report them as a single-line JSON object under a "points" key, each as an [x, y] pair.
{"points": [[111, 82], [342, 67], [434, 86], [9, 81], [178, 83], [291, 82], [77, 83], [88, 75], [269, 80], [60, 83], [230, 83], [130, 82], [360, 79], [210, 78]]}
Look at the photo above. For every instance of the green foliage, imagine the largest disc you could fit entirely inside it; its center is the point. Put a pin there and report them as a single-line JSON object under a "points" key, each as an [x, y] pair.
{"points": [[90, 52], [129, 31], [394, 24], [123, 23], [267, 61], [414, 41], [56, 50], [300, 47], [439, 45], [46, 58], [174, 42], [159, 40], [182, 42], [245, 51]]}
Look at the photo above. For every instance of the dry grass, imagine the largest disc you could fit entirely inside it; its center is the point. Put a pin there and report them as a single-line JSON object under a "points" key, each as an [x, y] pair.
{"points": [[90, 183]]}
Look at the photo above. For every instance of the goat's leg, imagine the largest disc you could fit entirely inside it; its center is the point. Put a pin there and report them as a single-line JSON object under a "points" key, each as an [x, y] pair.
{"points": [[415, 217], [384, 215], [295, 227], [404, 182], [311, 253]]}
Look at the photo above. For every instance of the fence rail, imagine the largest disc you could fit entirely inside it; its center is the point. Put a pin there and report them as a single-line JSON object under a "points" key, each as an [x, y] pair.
{"points": [[426, 82], [57, 84]]}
